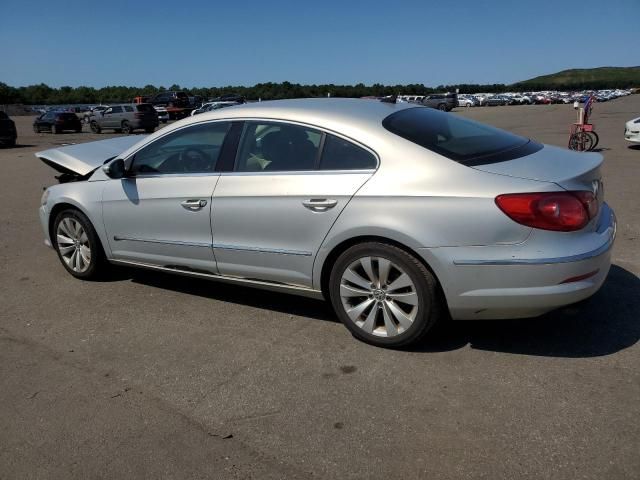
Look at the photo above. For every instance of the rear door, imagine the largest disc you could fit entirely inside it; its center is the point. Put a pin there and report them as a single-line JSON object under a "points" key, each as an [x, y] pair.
{"points": [[289, 185]]}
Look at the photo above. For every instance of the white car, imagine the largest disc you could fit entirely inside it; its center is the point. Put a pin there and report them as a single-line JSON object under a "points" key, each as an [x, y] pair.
{"points": [[465, 102], [632, 130]]}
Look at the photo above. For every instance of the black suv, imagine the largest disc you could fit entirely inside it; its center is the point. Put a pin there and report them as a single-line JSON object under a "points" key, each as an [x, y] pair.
{"points": [[8, 133], [170, 99], [442, 101]]}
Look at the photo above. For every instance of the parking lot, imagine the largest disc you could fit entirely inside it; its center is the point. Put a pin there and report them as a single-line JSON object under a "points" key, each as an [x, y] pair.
{"points": [[146, 375]]}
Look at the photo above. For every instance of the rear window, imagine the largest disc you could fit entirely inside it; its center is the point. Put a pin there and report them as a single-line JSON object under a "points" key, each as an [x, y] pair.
{"points": [[145, 107], [464, 141]]}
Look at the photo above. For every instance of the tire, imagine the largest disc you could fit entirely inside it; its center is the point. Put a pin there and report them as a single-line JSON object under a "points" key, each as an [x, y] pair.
{"points": [[79, 249], [442, 107], [595, 139], [126, 127], [581, 142], [377, 316], [95, 128], [36, 129]]}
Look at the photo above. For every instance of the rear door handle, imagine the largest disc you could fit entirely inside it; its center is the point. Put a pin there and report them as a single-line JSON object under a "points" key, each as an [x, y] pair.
{"points": [[319, 204], [194, 204]]}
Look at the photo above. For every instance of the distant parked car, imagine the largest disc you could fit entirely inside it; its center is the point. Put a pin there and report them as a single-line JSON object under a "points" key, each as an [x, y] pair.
{"points": [[57, 122], [441, 101], [466, 102], [497, 100], [8, 132], [87, 115], [209, 106], [163, 115], [126, 118], [632, 130], [176, 103]]}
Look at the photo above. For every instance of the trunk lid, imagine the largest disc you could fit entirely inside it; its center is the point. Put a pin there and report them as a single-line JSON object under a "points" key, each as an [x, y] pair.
{"points": [[570, 170], [83, 158]]}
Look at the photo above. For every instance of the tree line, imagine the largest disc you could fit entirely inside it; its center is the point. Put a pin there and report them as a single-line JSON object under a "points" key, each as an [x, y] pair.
{"points": [[43, 94]]}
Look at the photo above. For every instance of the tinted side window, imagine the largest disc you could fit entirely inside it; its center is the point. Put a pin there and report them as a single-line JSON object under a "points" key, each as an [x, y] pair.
{"points": [[127, 108], [277, 147], [339, 154], [116, 109], [193, 149]]}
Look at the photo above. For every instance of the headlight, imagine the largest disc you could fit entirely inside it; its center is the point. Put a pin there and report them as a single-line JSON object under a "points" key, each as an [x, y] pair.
{"points": [[45, 197]]}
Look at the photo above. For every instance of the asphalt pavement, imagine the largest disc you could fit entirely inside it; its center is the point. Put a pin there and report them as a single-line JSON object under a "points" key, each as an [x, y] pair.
{"points": [[147, 375]]}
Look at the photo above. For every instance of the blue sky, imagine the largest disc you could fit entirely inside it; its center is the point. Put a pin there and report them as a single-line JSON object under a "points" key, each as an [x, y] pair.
{"points": [[209, 43]]}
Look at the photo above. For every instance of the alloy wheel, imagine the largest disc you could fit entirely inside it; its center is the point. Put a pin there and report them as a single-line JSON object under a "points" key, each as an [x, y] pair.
{"points": [[379, 296], [73, 244]]}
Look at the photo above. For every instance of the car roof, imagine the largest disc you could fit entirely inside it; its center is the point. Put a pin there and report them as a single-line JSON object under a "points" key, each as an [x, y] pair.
{"points": [[351, 116]]}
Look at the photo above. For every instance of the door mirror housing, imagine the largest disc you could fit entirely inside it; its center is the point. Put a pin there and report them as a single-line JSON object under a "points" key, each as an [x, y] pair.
{"points": [[114, 169]]}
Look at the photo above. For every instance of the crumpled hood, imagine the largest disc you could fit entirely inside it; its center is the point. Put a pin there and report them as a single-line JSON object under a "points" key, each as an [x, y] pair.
{"points": [[83, 158]]}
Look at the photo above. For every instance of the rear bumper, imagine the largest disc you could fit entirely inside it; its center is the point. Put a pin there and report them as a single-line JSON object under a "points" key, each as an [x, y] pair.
{"points": [[518, 281]]}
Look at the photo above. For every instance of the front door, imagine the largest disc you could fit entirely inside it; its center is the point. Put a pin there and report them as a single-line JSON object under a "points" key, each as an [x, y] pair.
{"points": [[160, 214], [271, 214]]}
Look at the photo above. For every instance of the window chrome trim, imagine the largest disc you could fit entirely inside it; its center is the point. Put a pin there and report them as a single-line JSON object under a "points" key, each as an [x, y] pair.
{"points": [[120, 238], [276, 251]]}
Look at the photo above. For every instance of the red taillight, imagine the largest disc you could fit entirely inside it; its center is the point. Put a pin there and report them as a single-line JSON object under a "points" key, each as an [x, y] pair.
{"points": [[559, 211]]}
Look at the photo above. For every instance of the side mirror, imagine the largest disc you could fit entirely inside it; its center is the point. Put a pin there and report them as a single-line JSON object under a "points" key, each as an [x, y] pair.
{"points": [[114, 169]]}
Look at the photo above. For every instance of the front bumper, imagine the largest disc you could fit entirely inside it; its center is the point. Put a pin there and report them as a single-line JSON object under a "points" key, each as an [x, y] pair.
{"points": [[519, 281], [44, 223]]}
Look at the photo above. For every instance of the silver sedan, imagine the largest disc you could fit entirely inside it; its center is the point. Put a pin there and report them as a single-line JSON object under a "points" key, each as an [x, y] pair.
{"points": [[398, 214]]}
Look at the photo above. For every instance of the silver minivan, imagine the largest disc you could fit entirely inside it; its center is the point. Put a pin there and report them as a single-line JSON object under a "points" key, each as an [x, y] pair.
{"points": [[125, 118]]}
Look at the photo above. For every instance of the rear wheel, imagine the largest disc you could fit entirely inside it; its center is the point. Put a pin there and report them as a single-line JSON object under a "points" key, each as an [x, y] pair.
{"points": [[581, 142], [442, 107], [77, 244], [384, 295], [95, 128], [126, 128], [594, 139]]}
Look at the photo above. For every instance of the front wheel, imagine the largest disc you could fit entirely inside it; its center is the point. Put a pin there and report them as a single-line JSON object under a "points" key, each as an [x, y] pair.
{"points": [[442, 107], [77, 244], [384, 295], [126, 128], [95, 128]]}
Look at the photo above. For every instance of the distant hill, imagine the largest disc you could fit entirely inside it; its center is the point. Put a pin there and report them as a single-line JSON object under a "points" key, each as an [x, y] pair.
{"points": [[577, 78]]}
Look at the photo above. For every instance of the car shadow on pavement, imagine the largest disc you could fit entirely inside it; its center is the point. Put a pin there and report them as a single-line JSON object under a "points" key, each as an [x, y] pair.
{"points": [[601, 325], [223, 292], [604, 324]]}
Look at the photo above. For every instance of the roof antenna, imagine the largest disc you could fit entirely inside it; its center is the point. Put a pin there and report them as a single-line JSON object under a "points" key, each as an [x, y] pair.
{"points": [[390, 99]]}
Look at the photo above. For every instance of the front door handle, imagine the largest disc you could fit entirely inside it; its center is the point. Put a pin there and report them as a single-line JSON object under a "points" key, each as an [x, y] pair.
{"points": [[319, 204], [194, 204]]}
